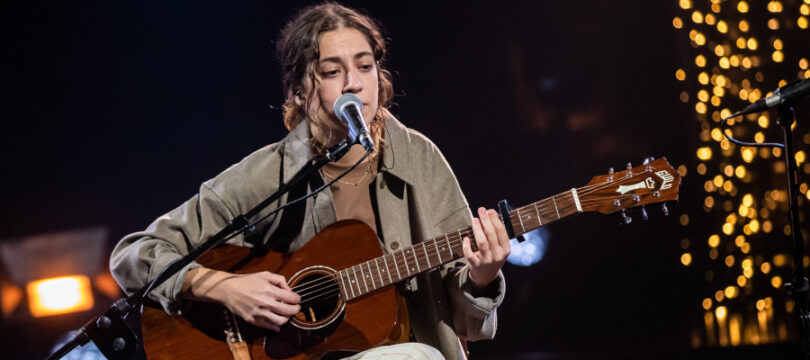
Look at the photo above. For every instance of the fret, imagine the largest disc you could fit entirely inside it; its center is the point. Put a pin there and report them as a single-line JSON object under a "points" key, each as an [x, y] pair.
{"points": [[413, 253], [353, 281], [555, 207], [387, 269], [576, 199], [370, 276], [521, 220], [358, 281], [405, 258], [396, 266], [539, 221], [426, 254], [438, 253], [343, 281], [447, 239], [382, 282], [362, 277]]}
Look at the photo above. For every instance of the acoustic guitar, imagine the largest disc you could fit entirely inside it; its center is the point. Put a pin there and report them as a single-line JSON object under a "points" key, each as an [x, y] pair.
{"points": [[344, 278]]}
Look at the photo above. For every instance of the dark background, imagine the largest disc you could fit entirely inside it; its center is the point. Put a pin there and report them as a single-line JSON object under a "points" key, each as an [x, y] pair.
{"points": [[114, 112]]}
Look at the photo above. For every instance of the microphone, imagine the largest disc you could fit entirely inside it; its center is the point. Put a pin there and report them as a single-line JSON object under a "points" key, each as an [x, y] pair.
{"points": [[793, 91], [349, 108]]}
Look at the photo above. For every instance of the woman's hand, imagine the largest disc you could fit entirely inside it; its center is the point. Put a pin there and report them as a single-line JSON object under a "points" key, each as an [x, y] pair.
{"points": [[493, 248], [263, 299]]}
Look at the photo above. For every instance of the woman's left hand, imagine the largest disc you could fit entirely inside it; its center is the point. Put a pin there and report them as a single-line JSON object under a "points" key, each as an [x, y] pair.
{"points": [[493, 248]]}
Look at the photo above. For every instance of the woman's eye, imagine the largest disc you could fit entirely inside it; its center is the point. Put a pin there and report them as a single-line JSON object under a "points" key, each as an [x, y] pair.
{"points": [[366, 67], [331, 73]]}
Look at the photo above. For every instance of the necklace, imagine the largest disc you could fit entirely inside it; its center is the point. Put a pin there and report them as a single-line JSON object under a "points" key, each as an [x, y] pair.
{"points": [[359, 180]]}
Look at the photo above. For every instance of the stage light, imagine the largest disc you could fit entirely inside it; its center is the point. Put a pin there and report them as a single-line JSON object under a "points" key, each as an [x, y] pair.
{"points": [[777, 56], [60, 295], [686, 259], [800, 157], [55, 273], [530, 251], [704, 153]]}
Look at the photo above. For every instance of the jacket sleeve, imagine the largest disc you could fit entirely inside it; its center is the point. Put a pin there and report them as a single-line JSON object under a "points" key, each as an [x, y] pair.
{"points": [[474, 314], [140, 257]]}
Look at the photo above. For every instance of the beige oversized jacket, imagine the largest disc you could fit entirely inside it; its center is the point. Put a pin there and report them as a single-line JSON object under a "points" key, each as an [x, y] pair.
{"points": [[417, 196]]}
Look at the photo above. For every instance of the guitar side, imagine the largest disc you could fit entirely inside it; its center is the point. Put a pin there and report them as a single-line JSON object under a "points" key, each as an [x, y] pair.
{"points": [[375, 319]]}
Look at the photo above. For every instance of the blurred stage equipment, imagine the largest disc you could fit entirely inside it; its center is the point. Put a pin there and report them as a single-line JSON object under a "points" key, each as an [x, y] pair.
{"points": [[58, 272], [785, 98], [736, 51]]}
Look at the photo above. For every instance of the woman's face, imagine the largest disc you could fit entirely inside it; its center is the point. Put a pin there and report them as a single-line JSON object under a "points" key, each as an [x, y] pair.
{"points": [[346, 65]]}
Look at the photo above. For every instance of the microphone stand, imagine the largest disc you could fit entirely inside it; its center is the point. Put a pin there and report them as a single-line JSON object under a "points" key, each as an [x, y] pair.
{"points": [[113, 337], [798, 287]]}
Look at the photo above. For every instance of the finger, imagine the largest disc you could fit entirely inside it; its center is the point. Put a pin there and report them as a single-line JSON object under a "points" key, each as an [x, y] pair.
{"points": [[500, 230], [286, 296], [272, 317], [282, 308], [489, 229], [277, 280], [471, 256], [480, 239]]}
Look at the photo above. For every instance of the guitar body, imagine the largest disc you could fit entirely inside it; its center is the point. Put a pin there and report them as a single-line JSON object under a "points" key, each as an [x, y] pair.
{"points": [[371, 320]]}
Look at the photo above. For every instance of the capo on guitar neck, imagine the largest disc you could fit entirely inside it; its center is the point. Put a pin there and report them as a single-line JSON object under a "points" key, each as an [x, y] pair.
{"points": [[503, 210]]}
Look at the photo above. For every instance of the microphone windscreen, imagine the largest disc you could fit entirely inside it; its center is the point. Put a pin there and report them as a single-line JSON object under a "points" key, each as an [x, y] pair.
{"points": [[345, 99]]}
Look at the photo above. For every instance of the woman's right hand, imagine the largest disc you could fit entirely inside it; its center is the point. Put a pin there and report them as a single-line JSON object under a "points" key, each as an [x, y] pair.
{"points": [[263, 299]]}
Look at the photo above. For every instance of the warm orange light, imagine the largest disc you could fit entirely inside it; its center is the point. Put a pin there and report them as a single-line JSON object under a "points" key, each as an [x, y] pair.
{"points": [[704, 153], [10, 298], [686, 259], [60, 295]]}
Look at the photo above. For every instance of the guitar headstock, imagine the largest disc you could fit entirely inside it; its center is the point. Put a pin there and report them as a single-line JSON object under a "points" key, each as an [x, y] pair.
{"points": [[653, 182]]}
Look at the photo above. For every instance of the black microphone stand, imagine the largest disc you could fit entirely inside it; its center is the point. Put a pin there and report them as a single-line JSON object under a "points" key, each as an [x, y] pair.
{"points": [[797, 287], [114, 338]]}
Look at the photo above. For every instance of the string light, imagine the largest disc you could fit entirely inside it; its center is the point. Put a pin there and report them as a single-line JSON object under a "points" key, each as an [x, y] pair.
{"points": [[740, 50]]}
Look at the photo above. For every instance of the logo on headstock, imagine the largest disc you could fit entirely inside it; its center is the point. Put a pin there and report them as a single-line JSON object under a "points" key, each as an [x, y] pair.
{"points": [[648, 183], [667, 177]]}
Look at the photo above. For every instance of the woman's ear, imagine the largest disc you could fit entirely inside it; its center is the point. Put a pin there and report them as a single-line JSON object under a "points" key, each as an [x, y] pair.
{"points": [[298, 97]]}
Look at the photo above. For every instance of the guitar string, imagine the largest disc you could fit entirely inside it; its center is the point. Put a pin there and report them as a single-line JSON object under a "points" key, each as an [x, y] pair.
{"points": [[374, 283], [300, 288]]}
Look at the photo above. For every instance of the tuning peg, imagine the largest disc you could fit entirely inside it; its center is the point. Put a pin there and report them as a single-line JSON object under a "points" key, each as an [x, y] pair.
{"points": [[625, 219], [610, 174], [664, 209], [643, 213], [629, 169], [648, 160]]}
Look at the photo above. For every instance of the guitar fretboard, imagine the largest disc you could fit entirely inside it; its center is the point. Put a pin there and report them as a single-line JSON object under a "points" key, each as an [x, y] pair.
{"points": [[402, 264]]}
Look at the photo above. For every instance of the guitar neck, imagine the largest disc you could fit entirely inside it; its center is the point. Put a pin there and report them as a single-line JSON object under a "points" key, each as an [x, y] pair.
{"points": [[399, 265]]}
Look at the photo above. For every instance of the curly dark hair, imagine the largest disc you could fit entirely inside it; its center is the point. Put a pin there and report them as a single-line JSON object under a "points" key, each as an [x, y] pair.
{"points": [[298, 52]]}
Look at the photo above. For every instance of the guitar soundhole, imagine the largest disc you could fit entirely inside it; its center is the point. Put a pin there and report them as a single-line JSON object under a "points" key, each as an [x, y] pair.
{"points": [[320, 297]]}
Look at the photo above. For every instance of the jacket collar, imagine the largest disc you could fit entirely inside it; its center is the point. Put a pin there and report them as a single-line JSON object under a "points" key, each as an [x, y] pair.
{"points": [[297, 150], [395, 159]]}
